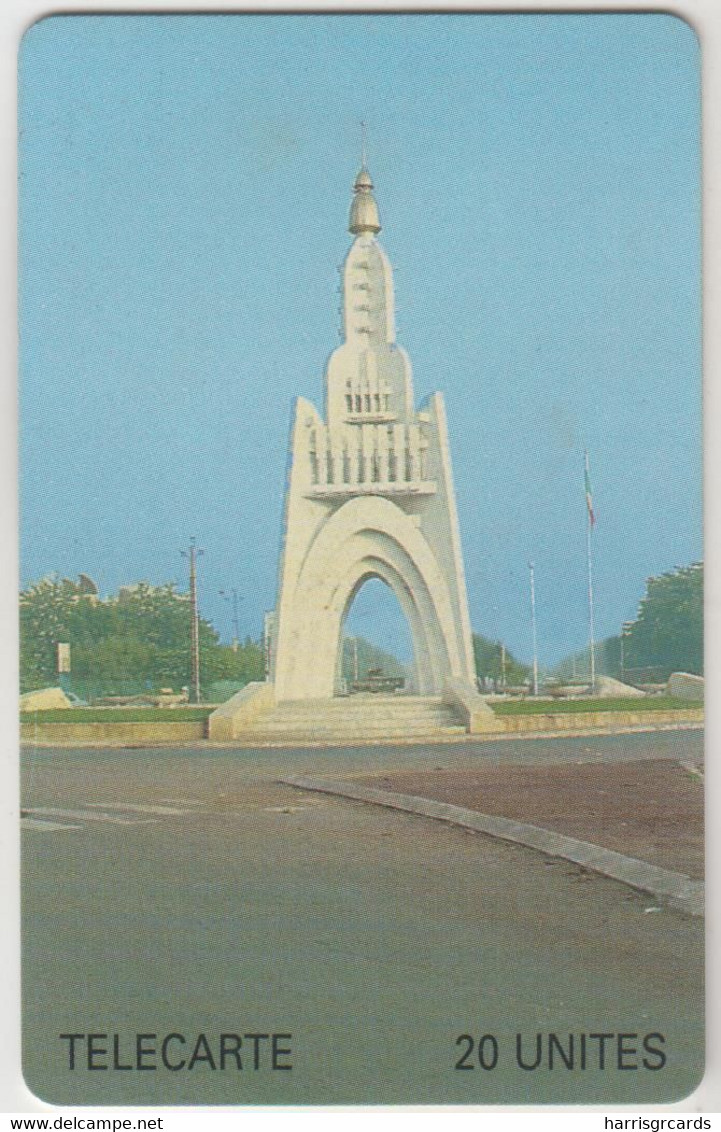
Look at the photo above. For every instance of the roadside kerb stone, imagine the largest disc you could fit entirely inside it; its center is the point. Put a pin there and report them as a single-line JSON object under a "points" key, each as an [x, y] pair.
{"points": [[611, 727], [675, 889], [549, 726]]}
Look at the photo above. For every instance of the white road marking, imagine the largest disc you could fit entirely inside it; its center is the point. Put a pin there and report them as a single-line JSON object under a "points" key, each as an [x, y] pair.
{"points": [[44, 826], [132, 808], [181, 801], [84, 815]]}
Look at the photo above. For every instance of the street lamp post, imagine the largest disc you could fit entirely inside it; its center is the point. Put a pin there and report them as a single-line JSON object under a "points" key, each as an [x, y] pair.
{"points": [[533, 627], [589, 563], [236, 630]]}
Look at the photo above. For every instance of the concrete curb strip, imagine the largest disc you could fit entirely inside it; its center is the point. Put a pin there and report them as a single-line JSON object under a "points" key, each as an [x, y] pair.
{"points": [[676, 889], [239, 732]]}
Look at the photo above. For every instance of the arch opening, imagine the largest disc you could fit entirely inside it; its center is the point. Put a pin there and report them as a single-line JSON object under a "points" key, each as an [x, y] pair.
{"points": [[365, 538], [376, 646]]}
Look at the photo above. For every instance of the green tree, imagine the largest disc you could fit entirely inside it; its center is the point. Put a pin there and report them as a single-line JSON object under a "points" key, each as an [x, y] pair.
{"points": [[46, 613], [488, 656], [369, 656], [577, 666], [222, 663], [667, 635], [133, 641]]}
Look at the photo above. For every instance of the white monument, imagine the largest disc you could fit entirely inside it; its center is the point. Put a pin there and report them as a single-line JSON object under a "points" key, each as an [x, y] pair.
{"points": [[370, 495]]}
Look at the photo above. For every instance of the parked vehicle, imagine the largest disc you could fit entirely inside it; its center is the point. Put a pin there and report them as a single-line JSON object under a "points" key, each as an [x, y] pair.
{"points": [[377, 681]]}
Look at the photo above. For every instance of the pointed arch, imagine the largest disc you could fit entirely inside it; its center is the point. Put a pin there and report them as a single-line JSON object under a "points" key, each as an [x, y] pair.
{"points": [[366, 537]]}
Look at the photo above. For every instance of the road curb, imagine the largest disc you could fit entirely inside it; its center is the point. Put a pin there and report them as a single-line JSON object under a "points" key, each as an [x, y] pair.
{"points": [[674, 889], [169, 734], [246, 744]]}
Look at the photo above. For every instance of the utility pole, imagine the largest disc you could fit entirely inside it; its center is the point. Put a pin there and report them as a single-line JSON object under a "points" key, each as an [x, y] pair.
{"points": [[503, 665], [625, 629], [192, 554], [533, 627]]}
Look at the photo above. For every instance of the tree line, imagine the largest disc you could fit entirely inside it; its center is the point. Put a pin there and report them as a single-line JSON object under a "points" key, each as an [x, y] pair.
{"points": [[497, 663], [131, 642], [138, 640], [666, 635]]}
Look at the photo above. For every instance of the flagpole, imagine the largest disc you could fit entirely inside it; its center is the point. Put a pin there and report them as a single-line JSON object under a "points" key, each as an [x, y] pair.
{"points": [[589, 558]]}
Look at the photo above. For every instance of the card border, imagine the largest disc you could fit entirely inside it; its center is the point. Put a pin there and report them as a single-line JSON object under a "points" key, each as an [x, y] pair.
{"points": [[704, 16]]}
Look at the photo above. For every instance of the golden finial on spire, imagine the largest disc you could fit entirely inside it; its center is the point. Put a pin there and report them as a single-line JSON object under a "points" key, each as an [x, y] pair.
{"points": [[364, 210]]}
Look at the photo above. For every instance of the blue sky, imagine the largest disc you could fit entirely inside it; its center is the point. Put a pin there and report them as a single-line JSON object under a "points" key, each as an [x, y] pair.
{"points": [[185, 182]]}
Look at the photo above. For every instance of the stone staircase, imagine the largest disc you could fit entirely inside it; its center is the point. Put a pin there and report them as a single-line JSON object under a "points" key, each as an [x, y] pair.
{"points": [[360, 718]]}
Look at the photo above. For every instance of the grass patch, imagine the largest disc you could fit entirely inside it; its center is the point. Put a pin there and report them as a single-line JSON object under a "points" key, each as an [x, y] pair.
{"points": [[615, 703], [117, 715]]}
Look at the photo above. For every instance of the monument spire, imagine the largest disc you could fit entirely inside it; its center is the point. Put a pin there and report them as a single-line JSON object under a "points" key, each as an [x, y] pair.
{"points": [[364, 217], [370, 495]]}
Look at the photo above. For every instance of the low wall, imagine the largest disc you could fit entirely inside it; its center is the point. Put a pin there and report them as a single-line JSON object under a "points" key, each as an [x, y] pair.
{"points": [[473, 710], [481, 721], [108, 734], [609, 721], [231, 719]]}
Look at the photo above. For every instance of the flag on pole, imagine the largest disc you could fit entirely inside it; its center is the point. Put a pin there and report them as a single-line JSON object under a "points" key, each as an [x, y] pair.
{"points": [[589, 496]]}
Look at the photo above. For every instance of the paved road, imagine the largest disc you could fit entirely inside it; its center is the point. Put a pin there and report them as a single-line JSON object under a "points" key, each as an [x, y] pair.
{"points": [[186, 891]]}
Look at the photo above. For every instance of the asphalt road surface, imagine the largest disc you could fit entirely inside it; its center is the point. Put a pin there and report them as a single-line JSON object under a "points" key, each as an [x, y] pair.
{"points": [[186, 893]]}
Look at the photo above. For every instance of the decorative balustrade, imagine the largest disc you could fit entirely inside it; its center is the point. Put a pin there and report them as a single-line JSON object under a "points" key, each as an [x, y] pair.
{"points": [[375, 459]]}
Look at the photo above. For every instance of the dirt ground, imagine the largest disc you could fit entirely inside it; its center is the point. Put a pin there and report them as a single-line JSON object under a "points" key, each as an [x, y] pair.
{"points": [[652, 810]]}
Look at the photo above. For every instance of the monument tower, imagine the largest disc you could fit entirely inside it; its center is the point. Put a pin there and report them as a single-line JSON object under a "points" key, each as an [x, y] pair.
{"points": [[370, 495]]}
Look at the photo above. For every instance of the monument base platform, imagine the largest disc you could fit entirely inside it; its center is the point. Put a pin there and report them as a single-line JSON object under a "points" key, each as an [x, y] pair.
{"points": [[364, 717]]}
